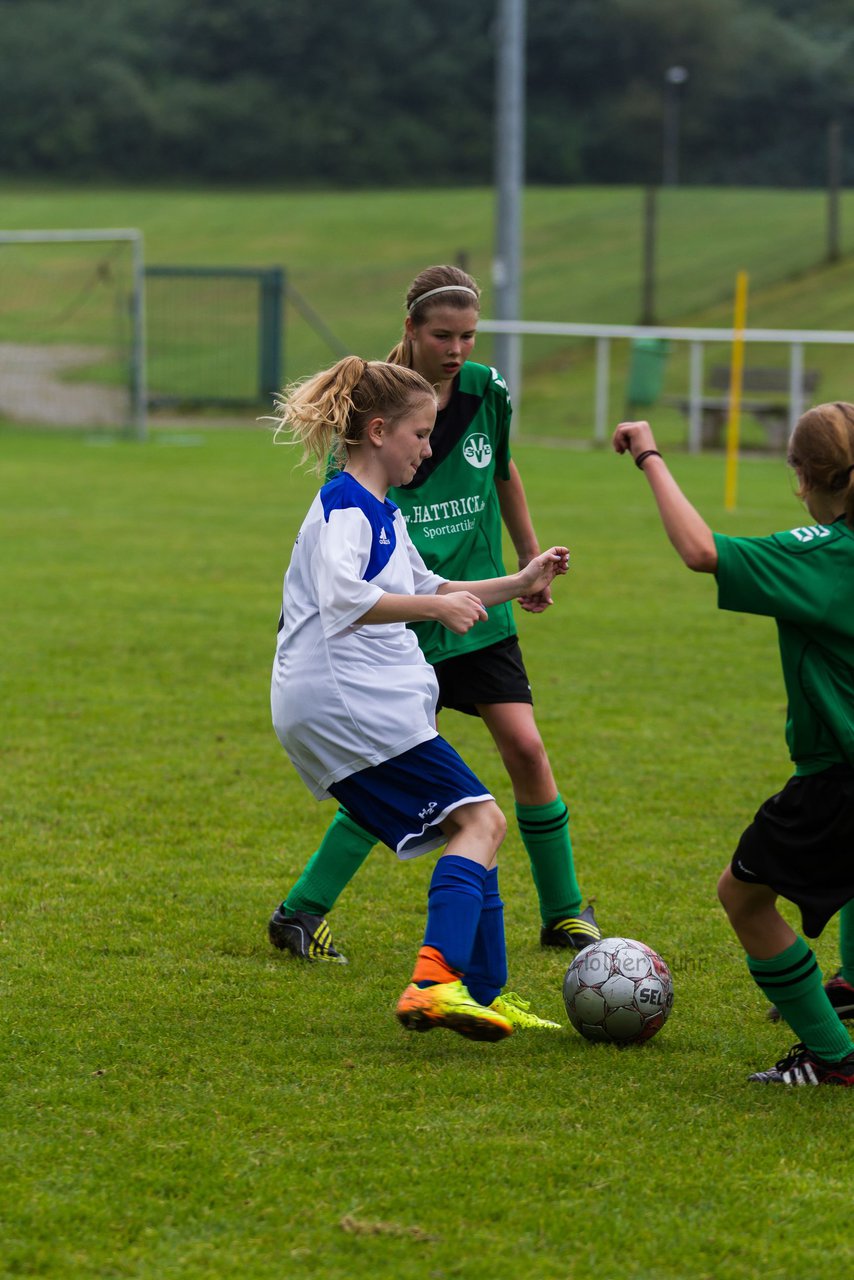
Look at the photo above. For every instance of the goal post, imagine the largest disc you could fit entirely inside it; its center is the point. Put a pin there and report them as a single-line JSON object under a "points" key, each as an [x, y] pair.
{"points": [[72, 328], [216, 335]]}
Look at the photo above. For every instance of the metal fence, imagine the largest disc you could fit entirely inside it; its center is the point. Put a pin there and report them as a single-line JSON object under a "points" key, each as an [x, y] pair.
{"points": [[697, 339]]}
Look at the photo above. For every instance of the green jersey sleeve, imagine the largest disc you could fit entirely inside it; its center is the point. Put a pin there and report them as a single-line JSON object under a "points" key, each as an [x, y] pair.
{"points": [[802, 579], [788, 575]]}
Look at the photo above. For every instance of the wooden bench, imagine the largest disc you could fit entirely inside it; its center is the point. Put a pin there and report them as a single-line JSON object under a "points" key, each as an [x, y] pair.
{"points": [[771, 409]]}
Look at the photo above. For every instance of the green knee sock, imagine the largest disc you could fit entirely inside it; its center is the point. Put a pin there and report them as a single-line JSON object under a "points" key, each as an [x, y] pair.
{"points": [[846, 941], [792, 981], [544, 829], [343, 849]]}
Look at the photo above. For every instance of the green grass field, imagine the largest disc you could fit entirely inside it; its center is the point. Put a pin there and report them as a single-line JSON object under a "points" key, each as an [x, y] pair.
{"points": [[351, 255], [179, 1101]]}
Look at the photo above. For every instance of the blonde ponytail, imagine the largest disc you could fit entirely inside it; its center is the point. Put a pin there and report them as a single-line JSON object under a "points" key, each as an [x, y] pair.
{"points": [[328, 412]]}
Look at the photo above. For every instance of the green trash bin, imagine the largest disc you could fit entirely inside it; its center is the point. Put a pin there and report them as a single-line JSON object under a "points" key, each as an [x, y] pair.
{"points": [[646, 371]]}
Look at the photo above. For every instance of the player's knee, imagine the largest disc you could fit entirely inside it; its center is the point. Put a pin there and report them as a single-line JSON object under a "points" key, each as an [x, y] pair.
{"points": [[743, 903], [482, 828], [488, 823], [525, 756], [723, 886], [497, 823], [728, 893]]}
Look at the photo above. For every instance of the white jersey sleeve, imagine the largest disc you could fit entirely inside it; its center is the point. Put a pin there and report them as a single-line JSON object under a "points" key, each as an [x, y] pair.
{"points": [[339, 564], [424, 581]]}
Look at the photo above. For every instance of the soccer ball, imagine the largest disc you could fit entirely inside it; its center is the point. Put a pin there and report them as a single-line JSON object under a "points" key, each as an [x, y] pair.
{"points": [[618, 990]]}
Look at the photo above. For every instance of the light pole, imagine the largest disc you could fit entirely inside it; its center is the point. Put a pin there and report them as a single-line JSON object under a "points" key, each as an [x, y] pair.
{"points": [[674, 78], [834, 183], [509, 183]]}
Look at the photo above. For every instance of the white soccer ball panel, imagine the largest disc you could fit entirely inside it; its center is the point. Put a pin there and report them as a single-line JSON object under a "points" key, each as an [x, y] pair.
{"points": [[624, 1024], [634, 961], [593, 966], [591, 1032], [589, 1005], [607, 946], [651, 995], [617, 991], [571, 983]]}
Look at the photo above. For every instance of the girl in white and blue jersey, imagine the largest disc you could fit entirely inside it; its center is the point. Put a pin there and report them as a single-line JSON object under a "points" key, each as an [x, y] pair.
{"points": [[353, 698]]}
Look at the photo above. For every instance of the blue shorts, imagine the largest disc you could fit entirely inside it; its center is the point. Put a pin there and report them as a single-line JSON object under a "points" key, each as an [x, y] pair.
{"points": [[403, 800]]}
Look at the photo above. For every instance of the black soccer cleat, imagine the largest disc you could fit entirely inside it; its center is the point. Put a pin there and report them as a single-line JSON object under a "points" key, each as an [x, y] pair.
{"points": [[304, 935], [801, 1066], [574, 932], [840, 994]]}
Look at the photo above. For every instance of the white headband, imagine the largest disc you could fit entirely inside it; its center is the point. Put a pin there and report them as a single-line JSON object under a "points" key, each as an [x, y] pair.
{"points": [[443, 288]]}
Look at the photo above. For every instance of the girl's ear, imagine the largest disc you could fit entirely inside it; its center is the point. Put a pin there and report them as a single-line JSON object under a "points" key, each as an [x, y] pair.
{"points": [[409, 328], [374, 431]]}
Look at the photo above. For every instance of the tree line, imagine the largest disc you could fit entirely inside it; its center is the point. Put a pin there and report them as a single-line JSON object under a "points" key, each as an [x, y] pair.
{"points": [[401, 92]]}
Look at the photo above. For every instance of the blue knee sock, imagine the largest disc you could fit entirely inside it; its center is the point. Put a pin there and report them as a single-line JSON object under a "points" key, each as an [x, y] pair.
{"points": [[454, 903], [487, 971]]}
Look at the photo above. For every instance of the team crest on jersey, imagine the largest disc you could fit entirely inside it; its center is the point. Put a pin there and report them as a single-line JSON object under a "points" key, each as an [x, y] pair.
{"points": [[477, 450]]}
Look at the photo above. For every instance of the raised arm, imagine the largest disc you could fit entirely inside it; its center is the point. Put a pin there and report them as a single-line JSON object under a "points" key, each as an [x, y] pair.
{"points": [[683, 524]]}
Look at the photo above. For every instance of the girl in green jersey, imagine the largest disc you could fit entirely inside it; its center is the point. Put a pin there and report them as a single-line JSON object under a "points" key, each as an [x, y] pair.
{"points": [[456, 508], [799, 845]]}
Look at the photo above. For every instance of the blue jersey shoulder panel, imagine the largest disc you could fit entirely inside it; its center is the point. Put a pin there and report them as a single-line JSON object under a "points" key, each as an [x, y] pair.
{"points": [[343, 493]]}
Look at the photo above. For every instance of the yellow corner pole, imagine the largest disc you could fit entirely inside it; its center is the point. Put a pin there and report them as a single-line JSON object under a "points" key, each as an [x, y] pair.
{"points": [[735, 382]]}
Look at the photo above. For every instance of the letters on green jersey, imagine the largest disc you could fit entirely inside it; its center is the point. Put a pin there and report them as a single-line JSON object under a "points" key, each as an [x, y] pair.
{"points": [[439, 517], [811, 533]]}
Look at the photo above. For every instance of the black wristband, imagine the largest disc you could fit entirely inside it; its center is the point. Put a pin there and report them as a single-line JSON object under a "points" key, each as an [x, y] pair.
{"points": [[642, 457]]}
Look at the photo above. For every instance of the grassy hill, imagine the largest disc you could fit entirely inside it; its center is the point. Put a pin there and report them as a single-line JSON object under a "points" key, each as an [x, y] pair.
{"points": [[352, 255]]}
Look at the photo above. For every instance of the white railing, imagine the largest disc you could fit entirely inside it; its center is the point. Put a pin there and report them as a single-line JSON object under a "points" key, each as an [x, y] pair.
{"points": [[795, 339]]}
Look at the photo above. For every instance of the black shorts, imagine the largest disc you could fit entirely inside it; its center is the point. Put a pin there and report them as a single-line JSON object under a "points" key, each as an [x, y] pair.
{"points": [[494, 674], [801, 844]]}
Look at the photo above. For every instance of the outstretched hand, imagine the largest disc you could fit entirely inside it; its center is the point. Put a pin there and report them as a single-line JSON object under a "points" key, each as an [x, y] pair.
{"points": [[536, 601], [539, 573]]}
